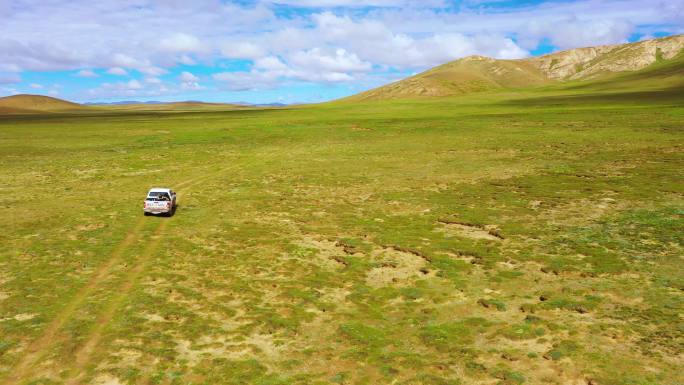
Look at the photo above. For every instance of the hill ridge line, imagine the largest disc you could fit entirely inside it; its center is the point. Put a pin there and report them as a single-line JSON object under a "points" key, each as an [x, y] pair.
{"points": [[476, 73]]}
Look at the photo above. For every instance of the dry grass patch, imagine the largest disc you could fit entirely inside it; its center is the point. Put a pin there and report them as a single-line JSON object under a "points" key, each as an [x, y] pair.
{"points": [[397, 268]]}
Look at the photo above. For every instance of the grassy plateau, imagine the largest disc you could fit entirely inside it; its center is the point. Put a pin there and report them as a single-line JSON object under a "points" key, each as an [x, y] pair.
{"points": [[508, 237]]}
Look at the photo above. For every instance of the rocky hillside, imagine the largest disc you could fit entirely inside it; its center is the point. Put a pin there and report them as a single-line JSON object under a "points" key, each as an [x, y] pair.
{"points": [[478, 73], [586, 63]]}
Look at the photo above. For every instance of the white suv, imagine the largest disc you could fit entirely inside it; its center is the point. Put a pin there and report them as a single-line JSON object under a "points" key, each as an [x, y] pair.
{"points": [[160, 201]]}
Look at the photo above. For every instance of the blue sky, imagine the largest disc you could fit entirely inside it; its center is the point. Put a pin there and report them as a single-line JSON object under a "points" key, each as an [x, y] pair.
{"points": [[288, 51]]}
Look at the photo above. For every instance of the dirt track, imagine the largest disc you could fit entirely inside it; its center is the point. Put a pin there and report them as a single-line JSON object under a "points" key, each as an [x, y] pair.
{"points": [[39, 348]]}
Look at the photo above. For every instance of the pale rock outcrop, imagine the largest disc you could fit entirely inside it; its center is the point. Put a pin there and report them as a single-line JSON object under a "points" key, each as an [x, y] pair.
{"points": [[586, 63]]}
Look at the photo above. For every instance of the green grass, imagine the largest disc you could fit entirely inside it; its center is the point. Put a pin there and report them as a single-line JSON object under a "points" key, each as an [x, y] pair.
{"points": [[351, 243]]}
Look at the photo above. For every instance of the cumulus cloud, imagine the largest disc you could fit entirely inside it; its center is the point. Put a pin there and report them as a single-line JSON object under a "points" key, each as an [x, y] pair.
{"points": [[128, 89], [186, 76], [131, 34], [338, 62], [117, 71], [36, 86], [133, 85], [270, 63], [86, 73], [19, 54], [362, 3], [152, 71], [244, 81], [242, 50], [9, 78], [127, 61], [574, 32], [371, 41], [6, 91], [182, 43], [315, 65], [189, 81]]}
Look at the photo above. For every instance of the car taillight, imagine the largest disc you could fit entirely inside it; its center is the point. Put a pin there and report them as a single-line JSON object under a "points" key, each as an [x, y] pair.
{"points": [[168, 204], [144, 204]]}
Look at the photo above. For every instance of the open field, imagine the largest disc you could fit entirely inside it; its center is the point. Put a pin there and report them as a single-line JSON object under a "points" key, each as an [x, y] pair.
{"points": [[515, 237]]}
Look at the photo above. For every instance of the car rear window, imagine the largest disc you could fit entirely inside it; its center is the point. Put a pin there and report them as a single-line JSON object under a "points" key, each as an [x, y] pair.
{"points": [[156, 196]]}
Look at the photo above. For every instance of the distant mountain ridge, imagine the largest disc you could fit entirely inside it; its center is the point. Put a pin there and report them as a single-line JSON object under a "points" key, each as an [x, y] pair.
{"points": [[187, 102], [28, 104], [479, 73], [121, 103]]}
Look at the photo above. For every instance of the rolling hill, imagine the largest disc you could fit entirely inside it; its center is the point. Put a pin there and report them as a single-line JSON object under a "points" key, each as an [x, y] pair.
{"points": [[478, 73], [31, 104], [171, 106], [36, 103]]}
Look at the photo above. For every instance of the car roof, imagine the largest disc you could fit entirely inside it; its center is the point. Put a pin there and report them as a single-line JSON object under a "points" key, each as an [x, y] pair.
{"points": [[159, 189]]}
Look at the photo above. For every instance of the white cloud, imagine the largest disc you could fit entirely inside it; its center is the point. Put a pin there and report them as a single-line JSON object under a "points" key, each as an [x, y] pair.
{"points": [[9, 78], [362, 3], [36, 86], [338, 62], [182, 43], [153, 71], [130, 34], [189, 81], [131, 85], [8, 91], [243, 81], [270, 63], [86, 74], [574, 33], [191, 86], [309, 66], [127, 61], [186, 76], [117, 71], [242, 50], [134, 85], [128, 89], [374, 42]]}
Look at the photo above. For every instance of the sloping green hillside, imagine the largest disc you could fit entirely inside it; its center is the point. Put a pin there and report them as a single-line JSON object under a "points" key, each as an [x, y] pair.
{"points": [[471, 74], [658, 60]]}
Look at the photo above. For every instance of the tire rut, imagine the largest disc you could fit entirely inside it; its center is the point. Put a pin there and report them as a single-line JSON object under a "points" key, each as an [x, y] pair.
{"points": [[83, 355], [38, 348]]}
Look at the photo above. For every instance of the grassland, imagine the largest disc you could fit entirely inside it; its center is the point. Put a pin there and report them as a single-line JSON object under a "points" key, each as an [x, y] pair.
{"points": [[500, 238]]}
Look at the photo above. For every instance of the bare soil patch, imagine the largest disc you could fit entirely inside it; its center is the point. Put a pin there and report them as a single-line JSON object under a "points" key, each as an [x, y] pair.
{"points": [[397, 268], [469, 230]]}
